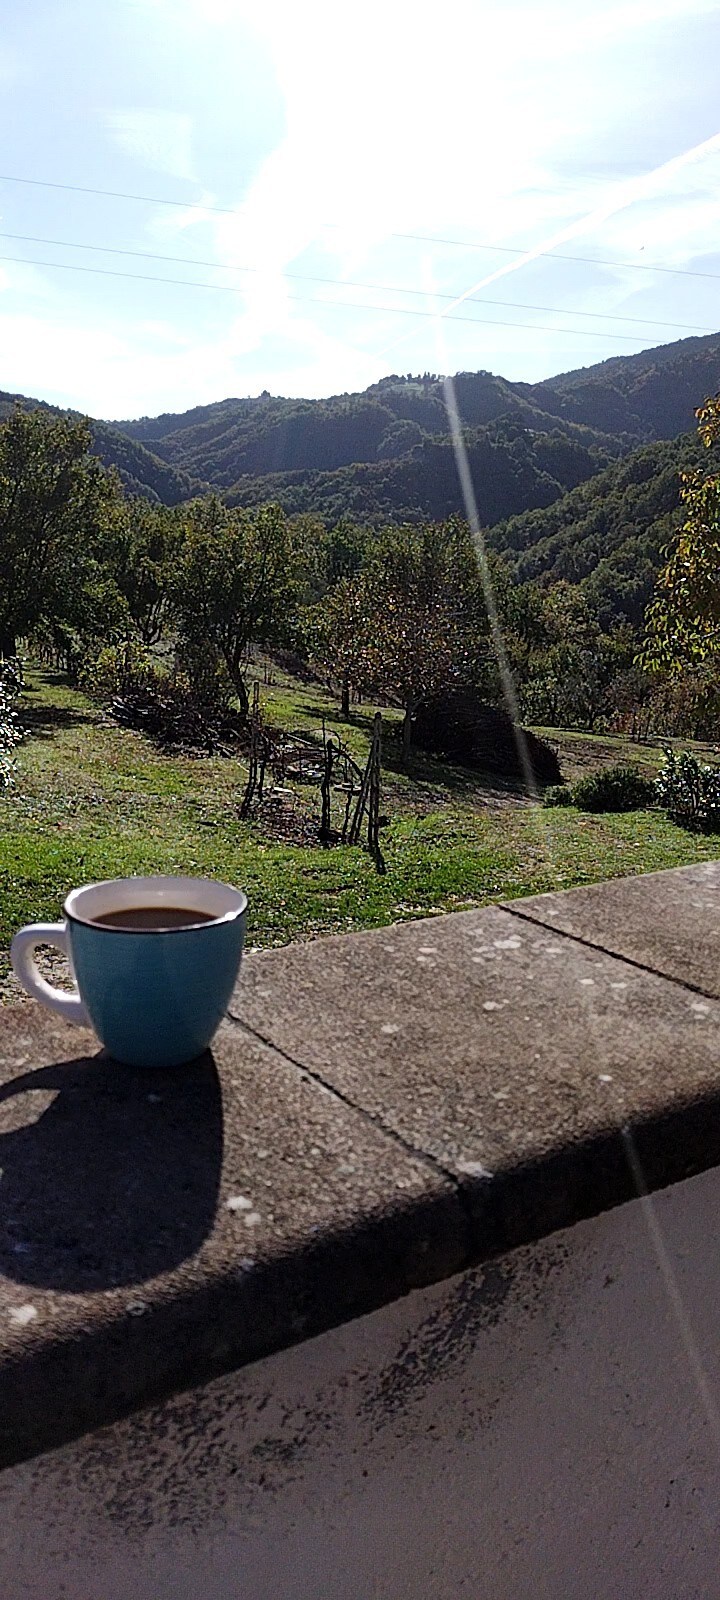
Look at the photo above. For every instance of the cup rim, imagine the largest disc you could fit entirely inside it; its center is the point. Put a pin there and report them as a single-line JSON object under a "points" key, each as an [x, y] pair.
{"points": [[175, 885]]}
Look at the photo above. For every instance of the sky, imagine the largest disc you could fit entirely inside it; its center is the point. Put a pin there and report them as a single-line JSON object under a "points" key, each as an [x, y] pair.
{"points": [[306, 197]]}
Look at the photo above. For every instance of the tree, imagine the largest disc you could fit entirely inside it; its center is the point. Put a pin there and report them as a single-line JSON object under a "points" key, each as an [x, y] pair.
{"points": [[55, 501], [307, 534], [683, 621], [569, 668], [339, 633], [345, 548], [145, 545], [430, 625], [234, 582], [565, 663]]}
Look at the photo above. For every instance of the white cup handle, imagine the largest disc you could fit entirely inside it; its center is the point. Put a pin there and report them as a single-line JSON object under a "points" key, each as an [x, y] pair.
{"points": [[22, 953]]}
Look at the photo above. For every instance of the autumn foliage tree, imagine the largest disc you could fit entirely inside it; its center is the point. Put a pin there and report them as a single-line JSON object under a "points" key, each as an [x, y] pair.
{"points": [[683, 619], [340, 635], [430, 623], [410, 624]]}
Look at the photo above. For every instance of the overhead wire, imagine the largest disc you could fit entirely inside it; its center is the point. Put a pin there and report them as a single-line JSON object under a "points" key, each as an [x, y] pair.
{"points": [[314, 300], [425, 238], [352, 283]]}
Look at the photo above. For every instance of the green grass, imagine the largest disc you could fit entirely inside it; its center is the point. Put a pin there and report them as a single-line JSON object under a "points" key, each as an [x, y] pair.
{"points": [[94, 801], [581, 753]]}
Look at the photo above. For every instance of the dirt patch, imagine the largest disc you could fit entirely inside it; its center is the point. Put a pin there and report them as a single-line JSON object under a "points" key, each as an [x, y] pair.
{"points": [[54, 969], [578, 757], [281, 817]]}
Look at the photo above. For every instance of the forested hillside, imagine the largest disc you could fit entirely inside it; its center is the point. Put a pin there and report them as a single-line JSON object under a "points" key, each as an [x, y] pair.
{"points": [[240, 439], [141, 472], [512, 468], [609, 533], [656, 391], [626, 401], [575, 470], [157, 608]]}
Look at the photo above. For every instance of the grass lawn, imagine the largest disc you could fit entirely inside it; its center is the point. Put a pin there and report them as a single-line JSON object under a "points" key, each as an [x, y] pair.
{"points": [[96, 801]]}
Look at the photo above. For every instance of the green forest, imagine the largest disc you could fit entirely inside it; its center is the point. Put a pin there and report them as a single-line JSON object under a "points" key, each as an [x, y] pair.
{"points": [[576, 478], [169, 596]]}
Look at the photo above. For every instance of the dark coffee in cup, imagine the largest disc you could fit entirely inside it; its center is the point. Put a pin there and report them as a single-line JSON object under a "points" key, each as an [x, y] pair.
{"points": [[152, 919]]}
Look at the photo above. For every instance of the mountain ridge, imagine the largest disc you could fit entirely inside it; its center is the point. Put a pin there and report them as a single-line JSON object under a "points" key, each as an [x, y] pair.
{"points": [[141, 471], [382, 454], [385, 454]]}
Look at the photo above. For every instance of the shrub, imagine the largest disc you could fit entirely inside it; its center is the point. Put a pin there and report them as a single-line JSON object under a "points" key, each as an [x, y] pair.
{"points": [[185, 705], [202, 671], [689, 790], [614, 789], [11, 682], [119, 670], [559, 794]]}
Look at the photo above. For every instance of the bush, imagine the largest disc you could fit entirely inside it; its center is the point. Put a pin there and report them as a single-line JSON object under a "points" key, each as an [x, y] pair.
{"points": [[461, 727], [689, 791], [120, 669], [614, 789], [11, 682], [185, 706], [202, 672], [559, 794]]}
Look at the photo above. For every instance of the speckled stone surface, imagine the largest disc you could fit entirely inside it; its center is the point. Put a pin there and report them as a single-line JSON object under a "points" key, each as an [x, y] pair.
{"points": [[380, 1111], [157, 1228], [669, 921], [512, 1055]]}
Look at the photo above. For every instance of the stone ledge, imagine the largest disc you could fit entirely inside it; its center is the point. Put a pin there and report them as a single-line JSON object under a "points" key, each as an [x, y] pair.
{"points": [[158, 1229], [514, 1056], [666, 921], [380, 1111]]}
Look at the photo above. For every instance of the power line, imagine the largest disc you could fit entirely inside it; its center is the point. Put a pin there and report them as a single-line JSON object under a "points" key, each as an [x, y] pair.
{"points": [[555, 255], [422, 238], [314, 300], [119, 194], [352, 283]]}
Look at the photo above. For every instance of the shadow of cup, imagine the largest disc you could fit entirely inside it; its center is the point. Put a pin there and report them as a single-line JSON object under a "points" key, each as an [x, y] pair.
{"points": [[108, 1175]]}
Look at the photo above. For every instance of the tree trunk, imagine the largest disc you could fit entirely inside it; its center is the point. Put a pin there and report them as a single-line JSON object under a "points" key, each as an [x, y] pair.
{"points": [[239, 685], [8, 644], [407, 734], [345, 702]]}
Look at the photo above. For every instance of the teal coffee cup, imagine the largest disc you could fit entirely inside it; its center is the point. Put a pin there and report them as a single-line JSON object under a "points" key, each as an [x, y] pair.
{"points": [[154, 961]]}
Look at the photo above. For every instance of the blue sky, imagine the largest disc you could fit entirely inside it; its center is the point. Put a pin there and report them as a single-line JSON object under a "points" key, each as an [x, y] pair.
{"points": [[303, 143]]}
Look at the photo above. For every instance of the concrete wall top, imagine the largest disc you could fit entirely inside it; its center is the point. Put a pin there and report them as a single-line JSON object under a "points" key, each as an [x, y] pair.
{"points": [[380, 1111]]}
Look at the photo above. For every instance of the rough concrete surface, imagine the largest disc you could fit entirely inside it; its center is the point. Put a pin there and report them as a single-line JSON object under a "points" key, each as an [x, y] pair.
{"points": [[512, 1055], [157, 1228], [669, 921], [380, 1111], [541, 1427]]}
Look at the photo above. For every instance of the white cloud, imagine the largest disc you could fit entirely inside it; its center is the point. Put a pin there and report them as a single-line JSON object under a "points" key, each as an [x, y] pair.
{"points": [[26, 281], [563, 28], [159, 139], [677, 228], [12, 69], [393, 126], [141, 369], [502, 120]]}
